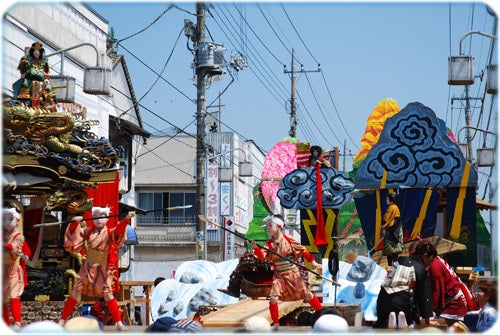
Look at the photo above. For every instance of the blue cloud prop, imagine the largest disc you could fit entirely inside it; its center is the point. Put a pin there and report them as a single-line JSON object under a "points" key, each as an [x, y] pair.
{"points": [[415, 152], [298, 188]]}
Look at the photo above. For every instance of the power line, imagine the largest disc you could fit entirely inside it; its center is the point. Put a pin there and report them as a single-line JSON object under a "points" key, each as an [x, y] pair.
{"points": [[337, 112], [324, 81], [159, 75], [256, 56], [248, 24], [300, 37], [271, 26], [164, 65], [165, 161], [148, 26], [260, 40], [178, 129], [321, 110], [155, 114]]}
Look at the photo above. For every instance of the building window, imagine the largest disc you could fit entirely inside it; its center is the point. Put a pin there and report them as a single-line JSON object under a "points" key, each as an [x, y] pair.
{"points": [[159, 200]]}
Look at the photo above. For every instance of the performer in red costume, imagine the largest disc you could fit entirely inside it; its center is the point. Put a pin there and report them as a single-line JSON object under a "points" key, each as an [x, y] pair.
{"points": [[288, 284], [14, 277], [94, 278], [451, 299]]}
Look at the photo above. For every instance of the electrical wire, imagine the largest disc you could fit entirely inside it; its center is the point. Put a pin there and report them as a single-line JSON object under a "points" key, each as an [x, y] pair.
{"points": [[321, 109], [257, 57], [164, 66], [356, 146], [325, 83], [321, 133], [260, 40], [285, 47], [284, 98], [159, 75], [272, 88], [148, 26], [274, 31], [300, 37], [281, 43]]}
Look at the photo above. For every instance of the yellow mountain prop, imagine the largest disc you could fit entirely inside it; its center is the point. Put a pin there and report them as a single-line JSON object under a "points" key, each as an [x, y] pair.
{"points": [[374, 125]]}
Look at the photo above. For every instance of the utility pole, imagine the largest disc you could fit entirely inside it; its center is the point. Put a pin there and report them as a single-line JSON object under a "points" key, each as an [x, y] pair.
{"points": [[201, 112], [336, 157], [469, 154], [293, 104], [468, 118], [344, 157], [207, 65]]}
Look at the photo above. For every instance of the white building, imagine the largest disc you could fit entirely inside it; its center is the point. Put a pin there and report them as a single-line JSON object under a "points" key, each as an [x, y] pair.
{"points": [[75, 41]]}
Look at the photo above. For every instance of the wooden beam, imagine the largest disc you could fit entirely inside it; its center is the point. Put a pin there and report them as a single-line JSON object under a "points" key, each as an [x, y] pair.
{"points": [[236, 314]]}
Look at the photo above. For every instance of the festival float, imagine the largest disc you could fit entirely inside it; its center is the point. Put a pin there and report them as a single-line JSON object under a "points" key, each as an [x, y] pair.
{"points": [[412, 152], [54, 168], [408, 151]]}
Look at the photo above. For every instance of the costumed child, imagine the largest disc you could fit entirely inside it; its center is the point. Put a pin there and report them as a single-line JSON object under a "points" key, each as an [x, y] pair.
{"points": [[14, 270], [94, 278], [316, 157], [288, 284]]}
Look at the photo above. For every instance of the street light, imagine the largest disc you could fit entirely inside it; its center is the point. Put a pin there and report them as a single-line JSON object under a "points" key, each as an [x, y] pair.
{"points": [[461, 72], [95, 79], [485, 156], [226, 173], [461, 68], [65, 88], [492, 79]]}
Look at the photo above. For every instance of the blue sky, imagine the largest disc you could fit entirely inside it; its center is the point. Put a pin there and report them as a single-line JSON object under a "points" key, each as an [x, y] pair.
{"points": [[367, 51]]}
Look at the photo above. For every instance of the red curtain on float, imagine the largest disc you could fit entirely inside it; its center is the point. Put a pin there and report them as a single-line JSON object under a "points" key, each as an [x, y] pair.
{"points": [[107, 195], [31, 234]]}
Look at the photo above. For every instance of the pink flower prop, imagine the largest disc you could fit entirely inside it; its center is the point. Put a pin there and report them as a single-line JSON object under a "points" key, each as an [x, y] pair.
{"points": [[281, 159]]}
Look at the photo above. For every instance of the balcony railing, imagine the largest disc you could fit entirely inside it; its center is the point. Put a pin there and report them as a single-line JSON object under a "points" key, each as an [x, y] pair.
{"points": [[147, 220], [166, 234], [171, 234]]}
